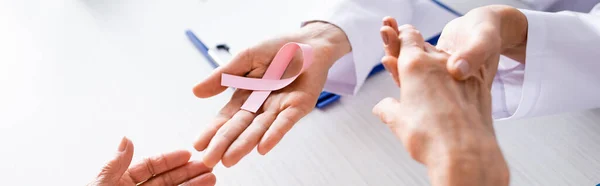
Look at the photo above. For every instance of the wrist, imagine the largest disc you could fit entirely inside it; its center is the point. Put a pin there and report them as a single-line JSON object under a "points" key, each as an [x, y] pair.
{"points": [[514, 27], [330, 42], [479, 164]]}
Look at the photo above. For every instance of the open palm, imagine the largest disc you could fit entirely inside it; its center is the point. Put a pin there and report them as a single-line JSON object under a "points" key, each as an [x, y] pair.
{"points": [[235, 132]]}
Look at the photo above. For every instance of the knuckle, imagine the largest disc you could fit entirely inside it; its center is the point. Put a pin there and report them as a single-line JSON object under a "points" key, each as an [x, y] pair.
{"points": [[162, 161], [106, 170], [276, 135], [415, 141], [246, 54], [406, 27], [244, 142], [230, 133], [388, 61], [389, 120], [413, 62], [410, 32], [260, 126], [166, 180], [169, 178], [224, 136], [149, 165], [279, 133]]}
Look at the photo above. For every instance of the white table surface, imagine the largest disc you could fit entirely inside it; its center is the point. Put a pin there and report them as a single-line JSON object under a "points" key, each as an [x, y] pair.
{"points": [[77, 75]]}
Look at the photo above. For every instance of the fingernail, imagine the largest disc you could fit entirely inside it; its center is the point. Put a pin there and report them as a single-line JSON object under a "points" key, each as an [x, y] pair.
{"points": [[385, 23], [385, 38], [123, 144], [462, 66]]}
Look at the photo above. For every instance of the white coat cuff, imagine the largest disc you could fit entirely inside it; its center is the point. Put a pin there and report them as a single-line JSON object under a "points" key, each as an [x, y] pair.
{"points": [[517, 87], [536, 44], [361, 26]]}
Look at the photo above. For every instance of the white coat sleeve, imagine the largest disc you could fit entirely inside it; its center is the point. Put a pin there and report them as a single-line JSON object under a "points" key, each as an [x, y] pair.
{"points": [[562, 68], [361, 20]]}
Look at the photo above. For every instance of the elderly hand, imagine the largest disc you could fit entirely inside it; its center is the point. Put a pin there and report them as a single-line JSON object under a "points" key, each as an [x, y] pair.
{"points": [[167, 169], [443, 123], [481, 36], [234, 132]]}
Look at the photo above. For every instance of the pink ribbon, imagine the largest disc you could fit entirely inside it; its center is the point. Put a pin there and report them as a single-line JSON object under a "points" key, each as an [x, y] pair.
{"points": [[271, 80]]}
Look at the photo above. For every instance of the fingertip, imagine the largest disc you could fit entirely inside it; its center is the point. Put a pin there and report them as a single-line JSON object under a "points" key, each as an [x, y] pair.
{"points": [[197, 90], [200, 166], [391, 41], [262, 149], [206, 179], [269, 141], [211, 179], [236, 153], [383, 106], [208, 161], [203, 90], [389, 60], [390, 21], [262, 152], [458, 67], [226, 165], [210, 86], [377, 108], [388, 32], [126, 147], [386, 20], [123, 145], [199, 146], [410, 39], [186, 154], [228, 161]]}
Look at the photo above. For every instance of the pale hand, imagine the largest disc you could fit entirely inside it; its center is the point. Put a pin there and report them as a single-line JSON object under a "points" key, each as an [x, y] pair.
{"points": [[443, 123], [235, 132], [173, 168]]}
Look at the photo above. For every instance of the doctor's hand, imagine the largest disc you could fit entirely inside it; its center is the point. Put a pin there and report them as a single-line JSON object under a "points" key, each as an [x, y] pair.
{"points": [[170, 168], [443, 123], [478, 38], [234, 132]]}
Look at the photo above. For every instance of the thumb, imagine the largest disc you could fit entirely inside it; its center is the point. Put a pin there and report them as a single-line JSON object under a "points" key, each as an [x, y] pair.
{"points": [[466, 61], [115, 168], [387, 110], [240, 65]]}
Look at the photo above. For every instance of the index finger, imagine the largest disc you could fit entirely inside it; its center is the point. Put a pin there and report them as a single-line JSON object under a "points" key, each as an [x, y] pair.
{"points": [[180, 175], [153, 166], [390, 21], [411, 40]]}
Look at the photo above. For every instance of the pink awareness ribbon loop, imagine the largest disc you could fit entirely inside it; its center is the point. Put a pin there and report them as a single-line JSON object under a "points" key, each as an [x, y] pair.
{"points": [[271, 80]]}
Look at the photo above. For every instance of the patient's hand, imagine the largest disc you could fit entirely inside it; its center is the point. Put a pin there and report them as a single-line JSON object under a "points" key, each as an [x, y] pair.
{"points": [[443, 123], [170, 168]]}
